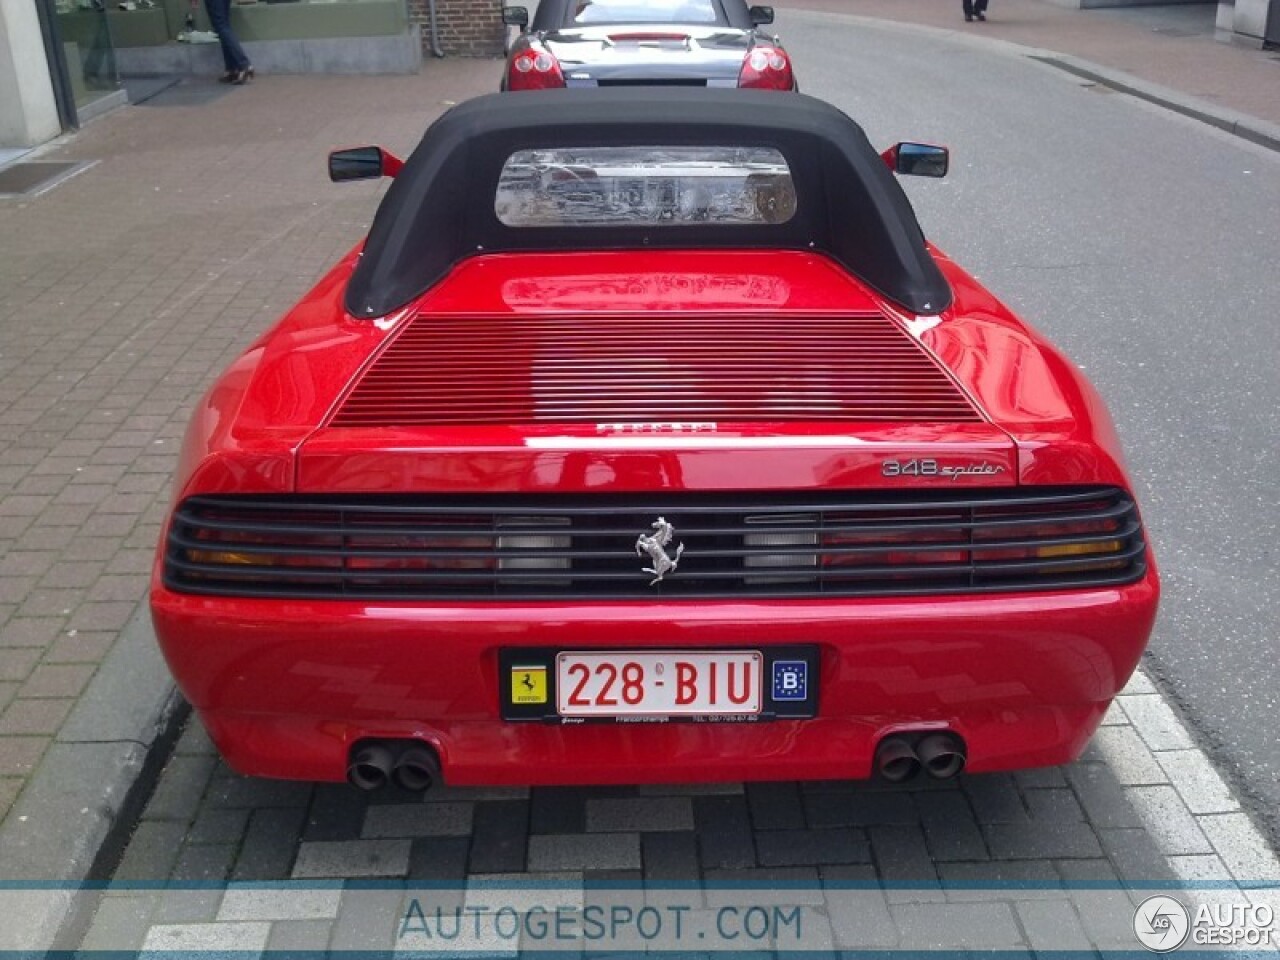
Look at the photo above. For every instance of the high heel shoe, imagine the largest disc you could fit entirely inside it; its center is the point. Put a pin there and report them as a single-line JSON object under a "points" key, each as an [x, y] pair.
{"points": [[243, 76]]}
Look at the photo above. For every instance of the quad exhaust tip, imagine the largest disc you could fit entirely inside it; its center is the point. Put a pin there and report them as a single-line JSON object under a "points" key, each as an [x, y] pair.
{"points": [[900, 757], [896, 760], [416, 769], [370, 766], [406, 763], [942, 755]]}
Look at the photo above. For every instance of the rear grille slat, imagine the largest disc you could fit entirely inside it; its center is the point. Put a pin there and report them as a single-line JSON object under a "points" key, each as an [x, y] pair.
{"points": [[514, 370], [677, 378], [727, 530], [186, 543], [553, 547], [871, 501], [528, 577]]}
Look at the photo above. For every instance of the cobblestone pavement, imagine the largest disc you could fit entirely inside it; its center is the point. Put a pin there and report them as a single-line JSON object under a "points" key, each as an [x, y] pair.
{"points": [[1050, 858], [122, 292]]}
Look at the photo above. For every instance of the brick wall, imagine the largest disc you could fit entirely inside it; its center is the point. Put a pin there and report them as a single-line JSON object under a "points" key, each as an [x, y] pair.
{"points": [[467, 28]]}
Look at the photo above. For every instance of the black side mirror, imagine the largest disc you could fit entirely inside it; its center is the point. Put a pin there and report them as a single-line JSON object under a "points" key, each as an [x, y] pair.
{"points": [[362, 163], [516, 17], [917, 159], [760, 16]]}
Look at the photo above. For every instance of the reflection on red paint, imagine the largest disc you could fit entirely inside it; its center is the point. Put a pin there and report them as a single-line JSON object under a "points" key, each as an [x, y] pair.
{"points": [[638, 291]]}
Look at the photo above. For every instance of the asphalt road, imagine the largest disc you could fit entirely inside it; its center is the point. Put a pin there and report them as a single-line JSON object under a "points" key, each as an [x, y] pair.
{"points": [[1145, 244]]}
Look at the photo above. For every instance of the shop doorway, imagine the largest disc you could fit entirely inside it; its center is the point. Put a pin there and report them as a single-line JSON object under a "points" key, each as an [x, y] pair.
{"points": [[81, 57]]}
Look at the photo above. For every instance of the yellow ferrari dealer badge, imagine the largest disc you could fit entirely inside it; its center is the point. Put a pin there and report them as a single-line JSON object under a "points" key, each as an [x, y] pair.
{"points": [[528, 684]]}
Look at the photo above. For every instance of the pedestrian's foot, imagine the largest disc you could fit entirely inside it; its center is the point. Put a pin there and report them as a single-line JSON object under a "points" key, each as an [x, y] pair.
{"points": [[981, 16], [228, 77], [241, 77], [968, 19]]}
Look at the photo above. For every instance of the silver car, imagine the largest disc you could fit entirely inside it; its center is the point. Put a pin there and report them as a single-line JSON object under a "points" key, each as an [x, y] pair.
{"points": [[612, 43]]}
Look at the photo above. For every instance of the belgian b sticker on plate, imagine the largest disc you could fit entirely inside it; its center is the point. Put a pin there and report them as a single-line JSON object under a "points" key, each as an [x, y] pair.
{"points": [[529, 684], [790, 680]]}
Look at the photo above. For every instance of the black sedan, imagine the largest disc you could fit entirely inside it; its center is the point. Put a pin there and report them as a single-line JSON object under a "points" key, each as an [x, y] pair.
{"points": [[610, 43]]}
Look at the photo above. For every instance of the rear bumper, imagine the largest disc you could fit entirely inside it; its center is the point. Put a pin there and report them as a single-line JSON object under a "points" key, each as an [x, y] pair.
{"points": [[285, 687]]}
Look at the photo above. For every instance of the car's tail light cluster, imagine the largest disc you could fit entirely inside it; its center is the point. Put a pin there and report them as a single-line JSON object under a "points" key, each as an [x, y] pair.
{"points": [[534, 68], [981, 543], [583, 547], [766, 67], [318, 546]]}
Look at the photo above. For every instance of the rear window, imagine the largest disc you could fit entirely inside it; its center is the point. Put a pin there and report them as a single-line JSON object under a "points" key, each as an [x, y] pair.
{"points": [[642, 11], [659, 186]]}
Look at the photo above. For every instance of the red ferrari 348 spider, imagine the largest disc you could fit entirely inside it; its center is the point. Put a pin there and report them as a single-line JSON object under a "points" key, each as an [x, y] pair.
{"points": [[645, 438]]}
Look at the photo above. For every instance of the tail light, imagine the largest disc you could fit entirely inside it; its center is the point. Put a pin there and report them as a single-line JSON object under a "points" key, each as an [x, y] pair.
{"points": [[534, 68], [766, 67], [995, 541], [891, 541], [256, 548], [797, 548], [521, 549]]}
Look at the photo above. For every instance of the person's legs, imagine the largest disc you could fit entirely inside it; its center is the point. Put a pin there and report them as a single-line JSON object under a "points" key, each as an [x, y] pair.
{"points": [[233, 55], [979, 9], [219, 12], [968, 9]]}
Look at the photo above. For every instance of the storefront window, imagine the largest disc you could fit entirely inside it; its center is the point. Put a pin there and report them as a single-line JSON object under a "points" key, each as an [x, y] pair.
{"points": [[84, 29]]}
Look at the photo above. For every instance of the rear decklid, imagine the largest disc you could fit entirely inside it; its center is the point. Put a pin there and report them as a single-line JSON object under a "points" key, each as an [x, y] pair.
{"points": [[707, 371], [614, 55]]}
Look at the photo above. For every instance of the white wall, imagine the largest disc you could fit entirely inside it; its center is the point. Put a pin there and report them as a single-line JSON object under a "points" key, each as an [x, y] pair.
{"points": [[1226, 19], [1251, 18], [28, 112]]}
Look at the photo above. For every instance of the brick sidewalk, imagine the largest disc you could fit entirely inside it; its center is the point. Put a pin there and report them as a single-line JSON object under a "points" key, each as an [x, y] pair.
{"points": [[122, 292]]}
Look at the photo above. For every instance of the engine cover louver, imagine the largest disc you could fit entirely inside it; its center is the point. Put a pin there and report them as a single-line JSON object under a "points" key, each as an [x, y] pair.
{"points": [[455, 370]]}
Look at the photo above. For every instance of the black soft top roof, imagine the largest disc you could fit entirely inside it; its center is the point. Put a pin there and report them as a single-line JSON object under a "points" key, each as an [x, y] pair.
{"points": [[440, 209]]}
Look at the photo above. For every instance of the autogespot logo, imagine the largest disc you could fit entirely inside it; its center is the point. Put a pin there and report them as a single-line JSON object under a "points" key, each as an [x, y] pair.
{"points": [[1161, 924]]}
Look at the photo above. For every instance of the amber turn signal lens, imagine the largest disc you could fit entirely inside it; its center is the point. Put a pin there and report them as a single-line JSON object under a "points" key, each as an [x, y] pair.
{"points": [[228, 558], [1078, 549]]}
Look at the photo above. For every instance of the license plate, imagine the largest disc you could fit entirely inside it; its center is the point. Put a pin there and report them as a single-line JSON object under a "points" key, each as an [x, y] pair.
{"points": [[667, 683]]}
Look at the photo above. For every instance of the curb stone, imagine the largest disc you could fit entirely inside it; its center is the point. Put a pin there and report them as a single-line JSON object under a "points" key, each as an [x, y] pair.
{"points": [[1241, 855], [1231, 121], [91, 784]]}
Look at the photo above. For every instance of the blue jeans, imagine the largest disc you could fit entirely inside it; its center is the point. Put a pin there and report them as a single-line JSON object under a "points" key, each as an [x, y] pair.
{"points": [[233, 54]]}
